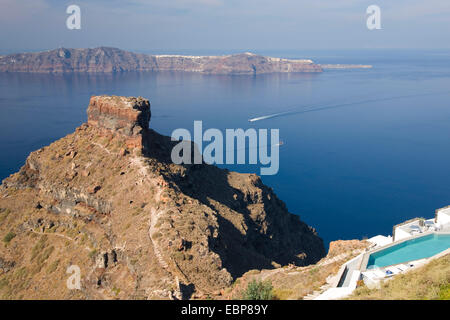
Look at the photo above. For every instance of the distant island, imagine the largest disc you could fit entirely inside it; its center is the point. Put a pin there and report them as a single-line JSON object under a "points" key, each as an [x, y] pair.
{"points": [[111, 60]]}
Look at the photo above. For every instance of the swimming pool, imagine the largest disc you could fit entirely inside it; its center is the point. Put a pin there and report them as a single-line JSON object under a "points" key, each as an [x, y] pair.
{"points": [[409, 250]]}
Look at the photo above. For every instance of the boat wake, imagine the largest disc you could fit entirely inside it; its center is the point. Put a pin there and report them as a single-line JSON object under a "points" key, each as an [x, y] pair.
{"points": [[338, 105], [270, 116]]}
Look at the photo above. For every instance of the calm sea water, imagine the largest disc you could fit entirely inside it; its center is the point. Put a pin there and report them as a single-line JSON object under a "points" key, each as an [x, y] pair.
{"points": [[350, 171]]}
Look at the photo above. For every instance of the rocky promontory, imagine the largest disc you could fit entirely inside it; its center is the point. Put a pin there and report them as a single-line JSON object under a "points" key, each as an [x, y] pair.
{"points": [[105, 59], [108, 200]]}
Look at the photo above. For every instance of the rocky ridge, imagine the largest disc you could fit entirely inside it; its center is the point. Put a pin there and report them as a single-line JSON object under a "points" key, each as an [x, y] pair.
{"points": [[107, 199], [105, 59]]}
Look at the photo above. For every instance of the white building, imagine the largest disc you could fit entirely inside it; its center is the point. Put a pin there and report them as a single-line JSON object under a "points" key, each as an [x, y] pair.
{"points": [[443, 217]]}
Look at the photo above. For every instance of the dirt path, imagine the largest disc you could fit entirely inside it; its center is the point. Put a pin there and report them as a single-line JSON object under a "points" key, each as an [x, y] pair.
{"points": [[59, 235]]}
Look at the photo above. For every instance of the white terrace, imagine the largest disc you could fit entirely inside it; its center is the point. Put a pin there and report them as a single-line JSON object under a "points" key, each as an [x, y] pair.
{"points": [[440, 222]]}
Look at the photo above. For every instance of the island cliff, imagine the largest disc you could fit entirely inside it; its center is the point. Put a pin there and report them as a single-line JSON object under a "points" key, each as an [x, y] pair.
{"points": [[104, 59], [108, 199]]}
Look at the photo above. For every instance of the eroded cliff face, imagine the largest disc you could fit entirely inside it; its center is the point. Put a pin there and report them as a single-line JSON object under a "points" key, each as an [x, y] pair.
{"points": [[108, 199], [105, 59]]}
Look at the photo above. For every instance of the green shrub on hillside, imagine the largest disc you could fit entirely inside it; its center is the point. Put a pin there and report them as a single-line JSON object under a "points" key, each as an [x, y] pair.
{"points": [[8, 237], [258, 290], [444, 292]]}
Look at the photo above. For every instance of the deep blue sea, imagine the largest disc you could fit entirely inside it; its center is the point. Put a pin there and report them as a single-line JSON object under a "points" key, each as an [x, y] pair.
{"points": [[350, 171]]}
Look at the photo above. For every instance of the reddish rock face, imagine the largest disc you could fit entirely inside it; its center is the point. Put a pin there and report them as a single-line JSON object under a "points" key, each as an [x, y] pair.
{"points": [[129, 117]]}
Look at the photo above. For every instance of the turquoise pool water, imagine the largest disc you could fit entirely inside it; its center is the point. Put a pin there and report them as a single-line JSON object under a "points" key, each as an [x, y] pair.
{"points": [[415, 249]]}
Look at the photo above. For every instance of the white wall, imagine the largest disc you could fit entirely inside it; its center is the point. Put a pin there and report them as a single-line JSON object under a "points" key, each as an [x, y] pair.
{"points": [[335, 293], [401, 234], [443, 216]]}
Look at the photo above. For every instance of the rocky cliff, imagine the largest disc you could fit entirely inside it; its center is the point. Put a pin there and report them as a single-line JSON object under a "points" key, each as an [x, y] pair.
{"points": [[105, 59], [107, 199]]}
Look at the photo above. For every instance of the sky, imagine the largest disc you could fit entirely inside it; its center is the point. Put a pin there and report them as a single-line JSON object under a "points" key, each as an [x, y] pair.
{"points": [[224, 25]]}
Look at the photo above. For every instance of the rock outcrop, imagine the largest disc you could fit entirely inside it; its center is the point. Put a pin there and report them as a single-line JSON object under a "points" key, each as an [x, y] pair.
{"points": [[105, 59], [108, 199], [126, 116]]}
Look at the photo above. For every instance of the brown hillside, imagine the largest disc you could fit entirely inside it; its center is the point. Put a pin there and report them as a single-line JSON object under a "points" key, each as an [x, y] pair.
{"points": [[108, 199]]}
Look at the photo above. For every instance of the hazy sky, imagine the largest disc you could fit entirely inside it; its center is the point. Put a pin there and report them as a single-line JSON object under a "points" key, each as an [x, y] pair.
{"points": [[224, 24]]}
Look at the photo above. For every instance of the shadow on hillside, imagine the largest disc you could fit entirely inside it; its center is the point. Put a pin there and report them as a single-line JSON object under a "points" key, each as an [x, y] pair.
{"points": [[253, 248]]}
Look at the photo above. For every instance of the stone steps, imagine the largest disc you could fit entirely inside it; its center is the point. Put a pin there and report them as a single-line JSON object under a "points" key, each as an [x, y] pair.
{"points": [[316, 293]]}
